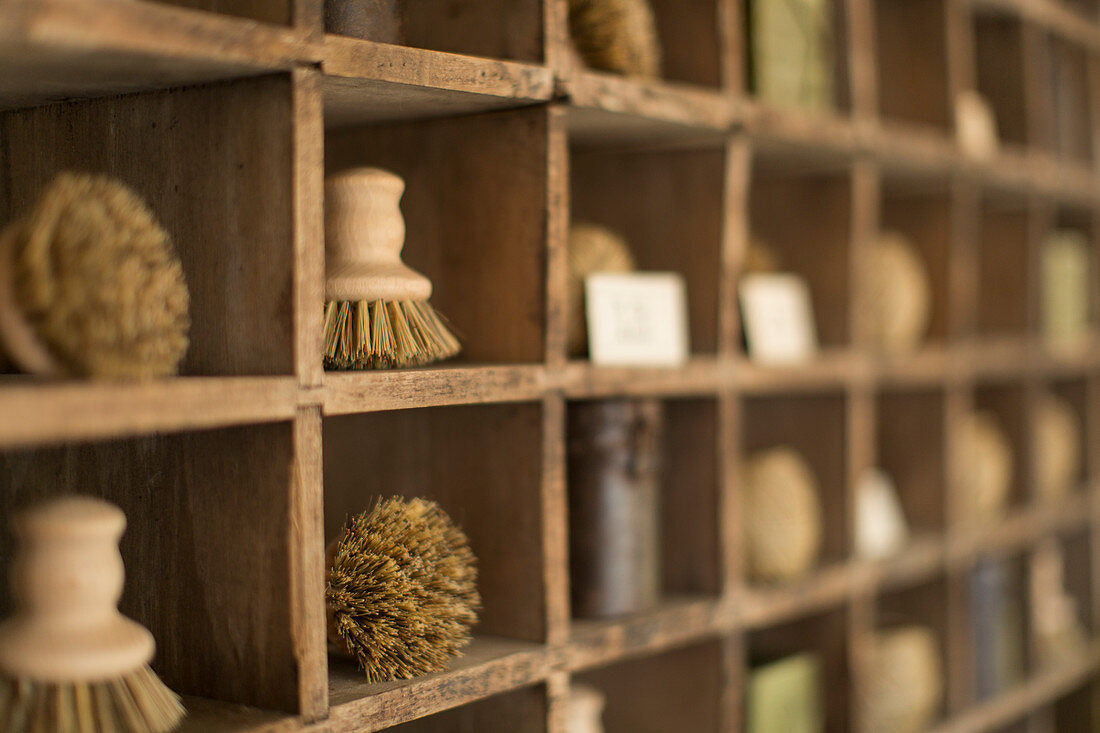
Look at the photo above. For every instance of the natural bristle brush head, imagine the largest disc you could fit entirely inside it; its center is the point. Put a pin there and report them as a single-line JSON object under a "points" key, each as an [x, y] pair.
{"points": [[69, 661], [377, 314], [402, 589], [616, 35], [90, 285]]}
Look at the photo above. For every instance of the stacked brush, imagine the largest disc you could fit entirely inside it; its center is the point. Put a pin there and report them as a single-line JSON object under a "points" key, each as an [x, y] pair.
{"points": [[402, 589]]}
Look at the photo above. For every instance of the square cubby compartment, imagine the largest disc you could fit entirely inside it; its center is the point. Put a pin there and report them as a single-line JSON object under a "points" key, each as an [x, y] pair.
{"points": [[920, 209], [911, 50], [205, 550], [674, 690], [911, 451], [668, 206], [925, 607], [821, 640], [482, 465], [1005, 402], [1004, 297], [691, 41], [999, 624], [796, 53], [218, 194], [999, 68], [643, 499], [520, 711], [1067, 128], [474, 210], [800, 222], [815, 427], [505, 29]]}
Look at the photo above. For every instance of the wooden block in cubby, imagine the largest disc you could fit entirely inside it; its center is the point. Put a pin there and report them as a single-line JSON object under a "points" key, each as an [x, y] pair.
{"points": [[1006, 402], [519, 711], [674, 690], [668, 205], [206, 549], [921, 208], [1066, 127], [803, 214], [911, 56], [280, 12], [503, 29], [1003, 259], [816, 426], [215, 164], [482, 464], [1000, 73], [824, 634], [912, 451], [924, 605], [475, 211]]}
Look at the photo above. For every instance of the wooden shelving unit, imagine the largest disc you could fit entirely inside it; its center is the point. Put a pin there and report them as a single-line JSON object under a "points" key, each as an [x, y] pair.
{"points": [[226, 115]]}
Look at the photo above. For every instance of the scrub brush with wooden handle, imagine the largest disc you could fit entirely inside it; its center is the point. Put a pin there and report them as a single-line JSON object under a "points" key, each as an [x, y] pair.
{"points": [[402, 589], [69, 661], [377, 314], [91, 286]]}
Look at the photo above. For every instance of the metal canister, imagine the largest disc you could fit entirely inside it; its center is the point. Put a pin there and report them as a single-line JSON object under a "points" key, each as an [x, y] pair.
{"points": [[371, 20], [614, 478]]}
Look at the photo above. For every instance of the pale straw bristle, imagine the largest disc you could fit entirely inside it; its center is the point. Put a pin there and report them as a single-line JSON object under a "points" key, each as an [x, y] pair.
{"points": [[97, 278], [385, 335], [616, 35], [402, 589], [136, 703]]}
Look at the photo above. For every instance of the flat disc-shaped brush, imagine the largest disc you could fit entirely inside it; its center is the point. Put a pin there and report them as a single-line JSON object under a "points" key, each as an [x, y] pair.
{"points": [[69, 661], [90, 285], [402, 589], [377, 314]]}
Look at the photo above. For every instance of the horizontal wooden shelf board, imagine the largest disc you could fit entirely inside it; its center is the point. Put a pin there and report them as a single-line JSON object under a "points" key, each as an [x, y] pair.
{"points": [[831, 369], [676, 622], [367, 82], [922, 558], [488, 666], [41, 412], [768, 606], [1020, 528], [375, 391], [210, 716], [701, 376], [930, 366], [1052, 15], [1041, 689], [51, 50], [608, 109]]}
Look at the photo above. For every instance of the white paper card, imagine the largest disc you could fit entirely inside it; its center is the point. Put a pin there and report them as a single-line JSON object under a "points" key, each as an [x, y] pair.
{"points": [[778, 318], [881, 530], [636, 319]]}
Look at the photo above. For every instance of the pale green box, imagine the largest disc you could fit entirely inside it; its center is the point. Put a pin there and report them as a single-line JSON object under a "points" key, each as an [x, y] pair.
{"points": [[785, 696], [792, 52]]}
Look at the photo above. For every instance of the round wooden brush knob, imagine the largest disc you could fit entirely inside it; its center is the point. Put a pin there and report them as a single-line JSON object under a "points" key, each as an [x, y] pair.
{"points": [[67, 578], [364, 234]]}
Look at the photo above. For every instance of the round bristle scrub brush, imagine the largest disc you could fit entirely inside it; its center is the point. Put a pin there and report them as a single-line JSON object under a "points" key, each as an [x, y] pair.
{"points": [[90, 285], [69, 661], [616, 35], [377, 314], [402, 589]]}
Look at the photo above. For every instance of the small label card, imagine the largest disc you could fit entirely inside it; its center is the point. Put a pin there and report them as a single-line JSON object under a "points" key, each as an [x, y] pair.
{"points": [[778, 318], [636, 319]]}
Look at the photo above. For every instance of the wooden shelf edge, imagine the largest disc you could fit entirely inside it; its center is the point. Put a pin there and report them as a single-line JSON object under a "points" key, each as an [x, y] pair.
{"points": [[701, 376], [55, 412], [346, 393], [1043, 688], [490, 666], [1052, 16], [678, 621], [367, 82], [54, 50]]}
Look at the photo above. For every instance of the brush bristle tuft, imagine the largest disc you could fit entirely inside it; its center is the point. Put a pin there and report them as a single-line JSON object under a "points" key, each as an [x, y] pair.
{"points": [[385, 335], [136, 703], [402, 589], [616, 35], [98, 279]]}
